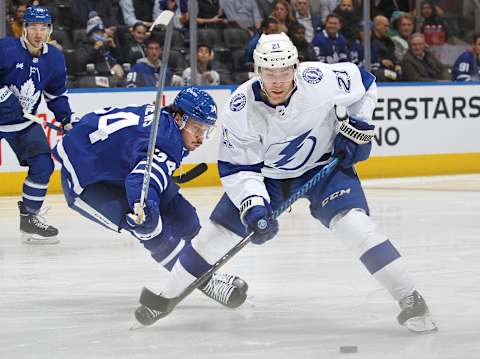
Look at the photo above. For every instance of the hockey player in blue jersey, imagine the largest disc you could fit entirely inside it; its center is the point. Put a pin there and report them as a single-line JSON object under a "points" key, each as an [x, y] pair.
{"points": [[29, 67], [467, 66], [103, 162], [279, 129]]}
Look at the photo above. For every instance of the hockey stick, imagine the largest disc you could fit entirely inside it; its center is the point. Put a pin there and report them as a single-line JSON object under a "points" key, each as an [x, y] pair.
{"points": [[166, 305], [165, 19], [192, 174], [35, 119]]}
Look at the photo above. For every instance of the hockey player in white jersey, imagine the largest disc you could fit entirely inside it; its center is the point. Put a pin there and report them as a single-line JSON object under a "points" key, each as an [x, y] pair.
{"points": [[281, 128]]}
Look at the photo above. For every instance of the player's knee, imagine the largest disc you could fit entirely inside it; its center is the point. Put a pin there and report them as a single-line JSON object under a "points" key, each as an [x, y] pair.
{"points": [[40, 168], [164, 250]]}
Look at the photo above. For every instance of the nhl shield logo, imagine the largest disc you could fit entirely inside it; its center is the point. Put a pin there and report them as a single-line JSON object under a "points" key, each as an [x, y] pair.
{"points": [[312, 75], [238, 102]]}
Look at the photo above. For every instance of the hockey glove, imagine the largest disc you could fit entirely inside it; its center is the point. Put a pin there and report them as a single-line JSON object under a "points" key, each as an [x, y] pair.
{"points": [[68, 121], [11, 110], [151, 225], [353, 142], [255, 213]]}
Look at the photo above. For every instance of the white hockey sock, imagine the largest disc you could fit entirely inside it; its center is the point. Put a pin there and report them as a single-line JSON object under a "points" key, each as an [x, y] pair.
{"points": [[211, 244], [360, 234]]}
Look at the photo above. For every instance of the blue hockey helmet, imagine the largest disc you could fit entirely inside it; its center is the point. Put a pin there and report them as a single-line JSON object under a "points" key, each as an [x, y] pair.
{"points": [[196, 104], [37, 14]]}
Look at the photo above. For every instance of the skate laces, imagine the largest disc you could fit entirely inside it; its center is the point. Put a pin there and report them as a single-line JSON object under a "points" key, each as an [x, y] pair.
{"points": [[223, 277], [40, 219], [218, 290]]}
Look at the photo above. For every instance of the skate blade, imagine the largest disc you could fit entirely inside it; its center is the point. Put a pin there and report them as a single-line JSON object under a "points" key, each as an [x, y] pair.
{"points": [[421, 325], [136, 326], [32, 239]]}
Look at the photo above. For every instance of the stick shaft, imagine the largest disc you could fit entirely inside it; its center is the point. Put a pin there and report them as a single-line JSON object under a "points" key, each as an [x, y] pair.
{"points": [[166, 20]]}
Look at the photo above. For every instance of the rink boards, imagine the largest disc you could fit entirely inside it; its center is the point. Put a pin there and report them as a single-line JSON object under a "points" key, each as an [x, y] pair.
{"points": [[425, 130]]}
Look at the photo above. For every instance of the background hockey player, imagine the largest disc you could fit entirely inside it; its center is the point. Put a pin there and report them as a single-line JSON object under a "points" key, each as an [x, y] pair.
{"points": [[103, 162], [28, 68], [279, 129]]}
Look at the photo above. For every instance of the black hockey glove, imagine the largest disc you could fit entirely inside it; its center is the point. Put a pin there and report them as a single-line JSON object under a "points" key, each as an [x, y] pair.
{"points": [[255, 213], [68, 121], [353, 142]]}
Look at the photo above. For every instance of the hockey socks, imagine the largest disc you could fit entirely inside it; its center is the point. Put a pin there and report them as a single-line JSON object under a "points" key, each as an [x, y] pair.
{"points": [[360, 234]]}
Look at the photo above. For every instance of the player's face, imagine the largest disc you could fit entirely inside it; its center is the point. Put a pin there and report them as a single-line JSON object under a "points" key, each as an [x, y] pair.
{"points": [[277, 83], [194, 133], [37, 34]]}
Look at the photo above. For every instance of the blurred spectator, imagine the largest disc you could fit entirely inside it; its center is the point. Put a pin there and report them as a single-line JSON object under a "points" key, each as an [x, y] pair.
{"points": [[319, 8], [384, 63], [209, 15], [403, 24], [304, 48], [104, 9], [180, 10], [243, 14], [283, 13], [467, 65], [134, 11], [265, 7], [330, 46], [16, 25], [350, 20], [99, 50], [146, 71], [134, 46], [421, 65], [388, 7], [205, 74], [333, 4], [312, 24], [434, 26], [269, 26]]}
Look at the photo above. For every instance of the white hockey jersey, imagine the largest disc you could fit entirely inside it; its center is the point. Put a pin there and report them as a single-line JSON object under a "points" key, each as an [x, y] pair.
{"points": [[285, 141]]}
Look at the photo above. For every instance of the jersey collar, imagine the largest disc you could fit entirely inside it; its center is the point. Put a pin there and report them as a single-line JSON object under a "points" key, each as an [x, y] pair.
{"points": [[256, 88]]}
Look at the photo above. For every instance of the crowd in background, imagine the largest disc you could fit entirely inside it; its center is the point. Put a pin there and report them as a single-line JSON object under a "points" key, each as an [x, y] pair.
{"points": [[107, 43]]}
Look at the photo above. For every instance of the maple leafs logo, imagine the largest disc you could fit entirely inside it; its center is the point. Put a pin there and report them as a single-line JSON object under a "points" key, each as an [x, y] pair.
{"points": [[27, 95]]}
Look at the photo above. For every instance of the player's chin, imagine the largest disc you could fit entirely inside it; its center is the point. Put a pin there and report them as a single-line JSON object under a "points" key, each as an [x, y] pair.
{"points": [[193, 146]]}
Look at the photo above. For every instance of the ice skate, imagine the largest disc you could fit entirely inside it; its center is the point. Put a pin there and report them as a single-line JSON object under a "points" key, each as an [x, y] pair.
{"points": [[34, 229], [415, 315], [226, 289]]}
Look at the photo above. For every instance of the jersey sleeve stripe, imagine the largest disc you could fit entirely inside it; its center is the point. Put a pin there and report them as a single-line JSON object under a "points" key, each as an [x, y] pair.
{"points": [[155, 169], [367, 78], [152, 176], [49, 96], [227, 168]]}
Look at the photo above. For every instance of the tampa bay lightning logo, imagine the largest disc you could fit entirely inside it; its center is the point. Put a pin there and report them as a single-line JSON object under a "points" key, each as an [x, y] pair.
{"points": [[312, 75], [238, 102], [293, 154]]}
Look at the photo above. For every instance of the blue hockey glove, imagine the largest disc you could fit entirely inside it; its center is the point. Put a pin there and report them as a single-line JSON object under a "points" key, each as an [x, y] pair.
{"points": [[11, 110], [254, 214], [151, 225], [353, 142]]}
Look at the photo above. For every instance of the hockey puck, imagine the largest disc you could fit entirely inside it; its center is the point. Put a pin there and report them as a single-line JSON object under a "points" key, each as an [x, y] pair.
{"points": [[348, 349]]}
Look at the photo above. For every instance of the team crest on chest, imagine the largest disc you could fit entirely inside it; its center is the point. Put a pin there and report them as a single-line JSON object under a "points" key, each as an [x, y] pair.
{"points": [[312, 75], [238, 102]]}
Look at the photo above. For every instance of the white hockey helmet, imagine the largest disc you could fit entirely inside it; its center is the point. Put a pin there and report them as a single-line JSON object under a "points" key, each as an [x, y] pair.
{"points": [[275, 51]]}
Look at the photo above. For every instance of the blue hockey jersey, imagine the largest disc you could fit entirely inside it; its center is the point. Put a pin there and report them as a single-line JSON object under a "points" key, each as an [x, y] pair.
{"points": [[330, 50], [144, 74], [28, 76], [466, 67], [111, 145]]}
